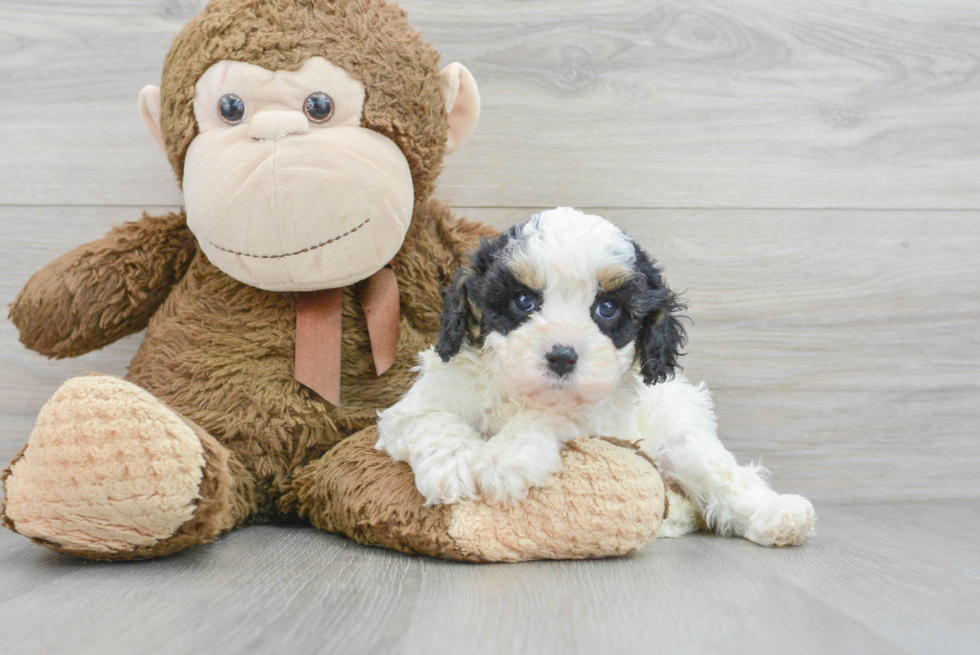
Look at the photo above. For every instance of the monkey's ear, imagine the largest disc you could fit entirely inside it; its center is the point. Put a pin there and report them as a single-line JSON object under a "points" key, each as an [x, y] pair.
{"points": [[150, 111], [456, 316], [662, 335], [462, 104]]}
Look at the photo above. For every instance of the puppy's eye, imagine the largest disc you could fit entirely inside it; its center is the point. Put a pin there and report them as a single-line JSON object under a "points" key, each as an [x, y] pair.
{"points": [[231, 108], [525, 303], [318, 107], [607, 310]]}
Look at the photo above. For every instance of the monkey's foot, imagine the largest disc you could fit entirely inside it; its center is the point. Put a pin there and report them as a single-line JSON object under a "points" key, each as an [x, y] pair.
{"points": [[607, 500], [110, 472]]}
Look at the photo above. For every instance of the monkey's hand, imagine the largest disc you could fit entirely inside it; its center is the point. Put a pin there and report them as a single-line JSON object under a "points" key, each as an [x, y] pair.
{"points": [[104, 290]]}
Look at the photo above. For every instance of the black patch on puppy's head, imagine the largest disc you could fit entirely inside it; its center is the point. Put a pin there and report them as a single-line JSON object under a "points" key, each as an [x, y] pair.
{"points": [[481, 298], [632, 299], [661, 335]]}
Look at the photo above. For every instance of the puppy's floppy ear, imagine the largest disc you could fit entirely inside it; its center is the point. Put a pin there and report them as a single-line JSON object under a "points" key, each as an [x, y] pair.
{"points": [[662, 335], [461, 299], [456, 316]]}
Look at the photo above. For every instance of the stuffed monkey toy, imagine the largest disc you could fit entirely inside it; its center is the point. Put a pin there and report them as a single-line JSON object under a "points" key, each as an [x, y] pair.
{"points": [[283, 307]]}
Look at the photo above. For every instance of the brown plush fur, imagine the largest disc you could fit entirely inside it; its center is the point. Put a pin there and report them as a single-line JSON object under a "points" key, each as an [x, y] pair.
{"points": [[380, 505], [220, 353], [358, 491], [104, 290]]}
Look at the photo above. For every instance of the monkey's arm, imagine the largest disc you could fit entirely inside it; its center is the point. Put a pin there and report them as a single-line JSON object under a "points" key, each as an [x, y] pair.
{"points": [[104, 290]]}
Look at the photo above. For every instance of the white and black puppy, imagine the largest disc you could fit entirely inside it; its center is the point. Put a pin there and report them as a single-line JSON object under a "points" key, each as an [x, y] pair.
{"points": [[560, 328]]}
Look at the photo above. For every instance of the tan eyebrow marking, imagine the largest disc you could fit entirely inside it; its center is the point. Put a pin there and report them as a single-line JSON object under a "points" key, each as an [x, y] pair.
{"points": [[476, 317], [613, 277], [525, 272]]}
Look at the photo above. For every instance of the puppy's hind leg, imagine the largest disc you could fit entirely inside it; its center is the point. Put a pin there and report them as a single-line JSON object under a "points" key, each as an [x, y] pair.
{"points": [[679, 430]]}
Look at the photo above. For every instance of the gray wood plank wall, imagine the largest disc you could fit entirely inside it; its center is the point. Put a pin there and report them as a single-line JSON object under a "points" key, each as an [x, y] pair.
{"points": [[809, 173]]}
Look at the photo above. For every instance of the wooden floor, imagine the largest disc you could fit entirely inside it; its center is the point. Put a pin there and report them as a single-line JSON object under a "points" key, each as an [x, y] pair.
{"points": [[809, 175], [892, 578]]}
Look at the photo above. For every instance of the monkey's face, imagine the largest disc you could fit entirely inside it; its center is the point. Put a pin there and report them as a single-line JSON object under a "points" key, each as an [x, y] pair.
{"points": [[284, 189]]}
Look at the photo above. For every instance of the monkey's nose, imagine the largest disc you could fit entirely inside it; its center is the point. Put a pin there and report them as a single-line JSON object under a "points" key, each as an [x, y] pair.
{"points": [[272, 124], [561, 360]]}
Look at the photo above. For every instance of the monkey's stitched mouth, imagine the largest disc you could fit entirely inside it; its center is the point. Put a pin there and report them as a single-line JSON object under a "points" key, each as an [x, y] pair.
{"points": [[298, 252]]}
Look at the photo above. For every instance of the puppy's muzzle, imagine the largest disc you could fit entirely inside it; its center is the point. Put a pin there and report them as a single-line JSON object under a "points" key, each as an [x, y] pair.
{"points": [[561, 360]]}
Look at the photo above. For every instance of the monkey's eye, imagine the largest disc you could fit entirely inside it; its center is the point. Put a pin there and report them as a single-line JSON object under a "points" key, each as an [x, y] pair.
{"points": [[231, 108], [525, 303], [318, 107], [607, 310]]}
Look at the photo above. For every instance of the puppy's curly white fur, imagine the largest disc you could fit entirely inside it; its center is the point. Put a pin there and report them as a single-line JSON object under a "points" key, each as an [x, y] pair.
{"points": [[560, 328]]}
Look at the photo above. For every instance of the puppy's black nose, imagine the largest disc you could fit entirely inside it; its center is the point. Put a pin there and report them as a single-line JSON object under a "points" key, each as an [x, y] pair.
{"points": [[561, 360]]}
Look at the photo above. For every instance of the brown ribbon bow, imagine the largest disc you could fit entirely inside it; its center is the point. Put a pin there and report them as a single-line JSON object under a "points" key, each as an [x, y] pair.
{"points": [[318, 329]]}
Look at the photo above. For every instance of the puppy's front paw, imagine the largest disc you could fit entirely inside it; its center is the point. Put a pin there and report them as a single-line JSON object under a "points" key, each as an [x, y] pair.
{"points": [[784, 521], [507, 476], [447, 477]]}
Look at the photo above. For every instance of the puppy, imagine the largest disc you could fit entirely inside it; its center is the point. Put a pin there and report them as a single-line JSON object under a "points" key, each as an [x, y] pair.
{"points": [[561, 328]]}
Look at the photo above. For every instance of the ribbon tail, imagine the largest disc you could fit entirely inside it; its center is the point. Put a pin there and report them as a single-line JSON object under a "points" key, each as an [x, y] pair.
{"points": [[318, 327], [379, 297]]}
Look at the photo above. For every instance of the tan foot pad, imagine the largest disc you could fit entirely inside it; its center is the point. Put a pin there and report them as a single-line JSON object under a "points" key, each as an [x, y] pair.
{"points": [[107, 469], [606, 501]]}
